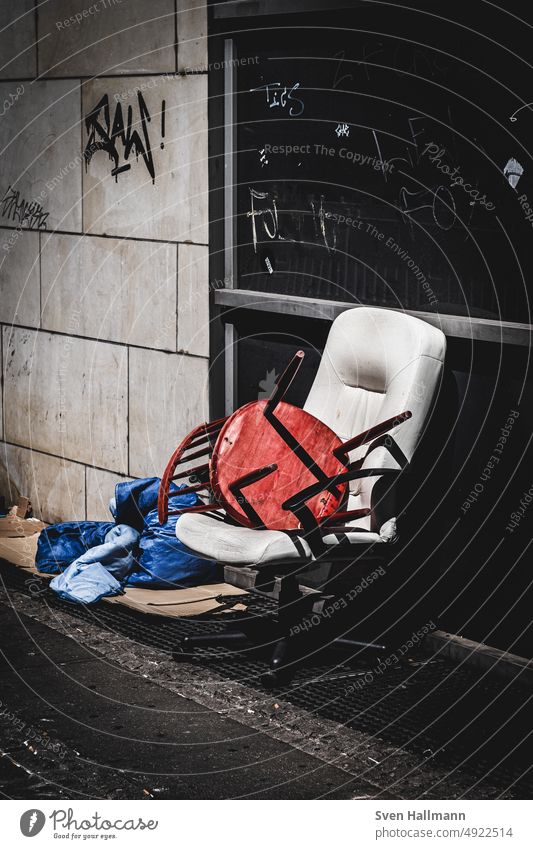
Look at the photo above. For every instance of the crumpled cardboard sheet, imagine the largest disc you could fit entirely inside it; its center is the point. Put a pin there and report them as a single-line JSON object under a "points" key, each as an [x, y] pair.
{"points": [[187, 602], [13, 526]]}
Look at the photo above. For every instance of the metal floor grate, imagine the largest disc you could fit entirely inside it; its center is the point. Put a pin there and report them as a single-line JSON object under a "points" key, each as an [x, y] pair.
{"points": [[452, 715]]}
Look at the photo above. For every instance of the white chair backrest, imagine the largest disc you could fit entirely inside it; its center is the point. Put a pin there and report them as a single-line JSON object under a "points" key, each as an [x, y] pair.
{"points": [[377, 363]]}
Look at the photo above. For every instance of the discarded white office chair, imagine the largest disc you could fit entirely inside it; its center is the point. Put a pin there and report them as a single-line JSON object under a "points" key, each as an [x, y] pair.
{"points": [[377, 363]]}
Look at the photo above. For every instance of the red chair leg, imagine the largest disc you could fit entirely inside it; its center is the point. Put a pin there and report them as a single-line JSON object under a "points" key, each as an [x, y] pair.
{"points": [[283, 382], [372, 433]]}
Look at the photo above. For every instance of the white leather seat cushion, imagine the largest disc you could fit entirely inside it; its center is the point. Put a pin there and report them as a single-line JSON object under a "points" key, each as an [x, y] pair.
{"points": [[216, 540]]}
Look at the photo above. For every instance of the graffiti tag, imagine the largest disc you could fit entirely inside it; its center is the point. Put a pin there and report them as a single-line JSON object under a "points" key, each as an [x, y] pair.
{"points": [[108, 135], [25, 212]]}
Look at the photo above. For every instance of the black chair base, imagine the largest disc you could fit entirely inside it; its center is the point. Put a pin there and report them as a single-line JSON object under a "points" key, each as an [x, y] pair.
{"points": [[288, 653], [295, 627]]}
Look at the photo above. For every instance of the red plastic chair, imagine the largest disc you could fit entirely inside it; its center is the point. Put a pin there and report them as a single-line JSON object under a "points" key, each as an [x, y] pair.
{"points": [[270, 465]]}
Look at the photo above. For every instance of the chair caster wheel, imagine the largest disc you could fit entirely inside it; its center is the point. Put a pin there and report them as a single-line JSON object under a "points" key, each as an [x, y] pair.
{"points": [[278, 674]]}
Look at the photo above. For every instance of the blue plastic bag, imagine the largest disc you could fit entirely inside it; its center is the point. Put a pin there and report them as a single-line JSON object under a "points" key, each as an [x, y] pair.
{"points": [[134, 499]]}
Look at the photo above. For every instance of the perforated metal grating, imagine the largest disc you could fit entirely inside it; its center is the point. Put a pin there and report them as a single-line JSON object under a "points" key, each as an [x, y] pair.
{"points": [[452, 715]]}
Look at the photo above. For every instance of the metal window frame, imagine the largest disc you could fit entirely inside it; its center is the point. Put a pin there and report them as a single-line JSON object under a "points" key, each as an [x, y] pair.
{"points": [[230, 333], [455, 327]]}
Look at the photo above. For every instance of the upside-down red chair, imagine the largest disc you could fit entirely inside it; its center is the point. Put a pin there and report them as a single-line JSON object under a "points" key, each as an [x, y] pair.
{"points": [[284, 489]]}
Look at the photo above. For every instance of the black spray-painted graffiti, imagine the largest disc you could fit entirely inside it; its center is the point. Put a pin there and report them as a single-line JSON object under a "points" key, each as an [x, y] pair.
{"points": [[24, 212], [106, 135]]}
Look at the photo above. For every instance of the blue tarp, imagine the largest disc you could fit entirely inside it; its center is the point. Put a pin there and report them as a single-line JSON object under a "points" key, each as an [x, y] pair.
{"points": [[59, 545], [164, 560], [134, 499], [136, 548], [116, 551]]}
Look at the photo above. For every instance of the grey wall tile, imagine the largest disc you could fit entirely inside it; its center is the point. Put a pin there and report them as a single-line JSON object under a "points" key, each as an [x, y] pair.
{"points": [[90, 37], [17, 40], [19, 277], [66, 396], [55, 487], [100, 489], [192, 35], [163, 194], [125, 291], [168, 396], [40, 155], [193, 299]]}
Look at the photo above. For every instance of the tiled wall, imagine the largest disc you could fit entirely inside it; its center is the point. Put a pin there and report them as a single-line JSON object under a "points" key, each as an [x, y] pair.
{"points": [[104, 274]]}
